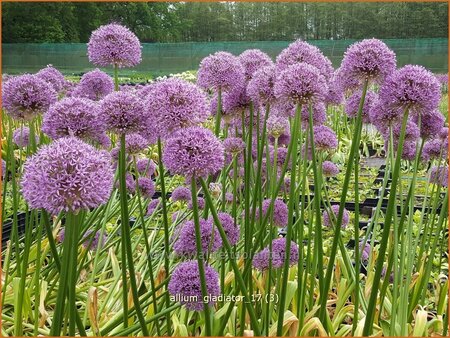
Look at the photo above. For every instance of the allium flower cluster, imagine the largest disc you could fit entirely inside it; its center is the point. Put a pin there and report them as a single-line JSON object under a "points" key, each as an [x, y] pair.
{"points": [[52, 76], [114, 44], [280, 212], [200, 203], [210, 238], [352, 104], [21, 137], [319, 115], [145, 167], [73, 116], [335, 94], [220, 70], [67, 175], [330, 221], [176, 104], [135, 143], [231, 229], [262, 259], [261, 87], [368, 59], [146, 187], [277, 125], [434, 149], [252, 60], [329, 169], [301, 84], [382, 116], [94, 85], [153, 206], [325, 138], [233, 145], [122, 112], [193, 151], [92, 242], [301, 51], [25, 96], [439, 175], [181, 194], [234, 103], [185, 285], [431, 123]]}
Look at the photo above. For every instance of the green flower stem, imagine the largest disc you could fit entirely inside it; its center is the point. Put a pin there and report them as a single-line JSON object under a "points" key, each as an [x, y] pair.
{"points": [[218, 112], [368, 325], [238, 275], [354, 148], [166, 228], [116, 78], [292, 204], [357, 254]]}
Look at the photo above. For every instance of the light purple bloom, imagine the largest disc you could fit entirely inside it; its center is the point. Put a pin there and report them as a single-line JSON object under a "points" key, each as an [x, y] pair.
{"points": [[261, 259], [153, 206], [335, 94], [94, 85], [146, 187], [181, 194], [324, 138], [319, 114], [364, 251], [382, 116], [328, 221], [54, 77], [114, 44], [261, 87], [439, 175], [21, 137], [135, 143], [352, 105], [277, 125], [329, 169], [431, 123], [200, 203], [231, 229], [252, 60], [209, 235], [67, 175], [233, 145], [145, 167], [92, 242], [280, 212], [434, 149]]}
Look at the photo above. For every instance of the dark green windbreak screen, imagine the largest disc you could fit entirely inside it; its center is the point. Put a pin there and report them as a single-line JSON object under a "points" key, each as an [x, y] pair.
{"points": [[177, 57]]}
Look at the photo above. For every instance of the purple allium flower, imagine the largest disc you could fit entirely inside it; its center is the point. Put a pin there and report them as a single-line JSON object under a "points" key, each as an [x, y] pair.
{"points": [[135, 143], [261, 259], [319, 114], [443, 133], [73, 116], [210, 238], [146, 91], [253, 60], [279, 253], [364, 251], [229, 197], [442, 78], [233, 145], [145, 167], [103, 141], [277, 125], [431, 123], [352, 105], [114, 44], [25, 96], [409, 150], [67, 175], [94, 85], [69, 87], [220, 70], [235, 101], [52, 76], [176, 104], [193, 151], [439, 175], [146, 187], [281, 156], [434, 149], [335, 94], [280, 212], [181, 194], [92, 242], [200, 203], [302, 52], [261, 87], [185, 285], [21, 136], [329, 169], [153, 206], [411, 133], [122, 112], [325, 138], [130, 183], [300, 83], [328, 221], [382, 116], [231, 229], [368, 59], [412, 86], [115, 152]]}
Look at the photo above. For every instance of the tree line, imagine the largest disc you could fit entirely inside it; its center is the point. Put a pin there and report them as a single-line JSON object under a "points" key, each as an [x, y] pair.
{"points": [[224, 21]]}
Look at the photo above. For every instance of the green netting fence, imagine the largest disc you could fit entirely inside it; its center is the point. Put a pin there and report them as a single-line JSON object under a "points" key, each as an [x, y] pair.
{"points": [[164, 58]]}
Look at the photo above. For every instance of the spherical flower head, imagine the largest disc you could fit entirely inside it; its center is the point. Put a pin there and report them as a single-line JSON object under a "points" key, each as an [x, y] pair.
{"points": [[193, 152], [368, 59], [93, 241], [113, 44], [301, 84], [319, 114], [335, 94], [73, 116], [329, 169], [260, 88], [280, 212], [67, 175], [279, 253], [281, 157], [229, 197], [277, 125], [434, 149], [431, 123], [185, 285], [442, 78], [26, 96], [252, 60], [443, 133], [261, 259], [103, 141], [145, 167], [122, 112], [324, 138], [439, 176], [352, 104], [409, 150], [411, 133], [52, 76], [234, 102], [176, 104], [181, 194], [301, 51], [231, 229], [130, 183], [94, 85], [200, 203], [414, 87], [135, 143], [330, 221], [382, 116], [221, 70], [146, 187], [365, 250], [153, 206], [209, 235], [233, 145], [21, 137]]}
